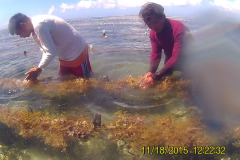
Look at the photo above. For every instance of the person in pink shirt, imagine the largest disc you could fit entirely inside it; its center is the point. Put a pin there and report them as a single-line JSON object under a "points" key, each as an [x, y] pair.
{"points": [[165, 35]]}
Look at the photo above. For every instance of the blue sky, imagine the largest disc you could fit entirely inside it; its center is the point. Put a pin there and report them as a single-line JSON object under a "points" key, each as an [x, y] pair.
{"points": [[94, 8]]}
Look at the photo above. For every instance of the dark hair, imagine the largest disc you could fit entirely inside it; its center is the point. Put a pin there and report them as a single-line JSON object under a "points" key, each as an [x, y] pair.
{"points": [[151, 9], [15, 20]]}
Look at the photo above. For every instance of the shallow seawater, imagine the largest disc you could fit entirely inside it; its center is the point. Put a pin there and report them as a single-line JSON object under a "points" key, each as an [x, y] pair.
{"points": [[52, 119]]}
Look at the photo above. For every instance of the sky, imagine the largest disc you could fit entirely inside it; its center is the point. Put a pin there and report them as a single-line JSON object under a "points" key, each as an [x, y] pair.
{"points": [[68, 9]]}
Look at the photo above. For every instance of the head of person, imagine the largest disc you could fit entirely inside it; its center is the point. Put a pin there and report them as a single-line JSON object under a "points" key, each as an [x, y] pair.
{"points": [[153, 16], [21, 25]]}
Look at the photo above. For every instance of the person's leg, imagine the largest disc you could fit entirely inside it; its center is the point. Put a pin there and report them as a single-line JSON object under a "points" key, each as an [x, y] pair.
{"points": [[84, 70], [89, 65], [77, 71], [64, 71]]}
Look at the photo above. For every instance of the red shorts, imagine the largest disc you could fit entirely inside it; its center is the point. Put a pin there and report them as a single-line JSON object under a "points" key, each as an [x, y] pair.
{"points": [[83, 70], [79, 67]]}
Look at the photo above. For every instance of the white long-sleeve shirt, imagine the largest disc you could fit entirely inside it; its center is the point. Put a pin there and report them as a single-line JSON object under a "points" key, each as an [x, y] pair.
{"points": [[56, 37]]}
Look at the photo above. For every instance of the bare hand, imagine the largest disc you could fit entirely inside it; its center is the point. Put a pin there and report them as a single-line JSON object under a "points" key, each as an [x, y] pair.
{"points": [[147, 81], [33, 73], [149, 74]]}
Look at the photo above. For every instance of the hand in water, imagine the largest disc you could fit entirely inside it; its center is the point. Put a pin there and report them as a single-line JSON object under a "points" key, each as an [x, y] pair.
{"points": [[147, 81], [149, 74], [33, 73]]}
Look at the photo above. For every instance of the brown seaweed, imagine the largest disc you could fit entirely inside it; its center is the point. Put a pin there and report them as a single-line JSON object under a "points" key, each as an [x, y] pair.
{"points": [[54, 130], [81, 85], [165, 131]]}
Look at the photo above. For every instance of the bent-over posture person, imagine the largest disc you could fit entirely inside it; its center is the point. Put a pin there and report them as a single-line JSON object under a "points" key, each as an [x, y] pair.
{"points": [[55, 37], [165, 34]]}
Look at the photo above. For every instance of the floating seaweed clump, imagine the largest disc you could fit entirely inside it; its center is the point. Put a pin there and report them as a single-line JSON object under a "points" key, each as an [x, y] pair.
{"points": [[122, 84], [165, 131], [7, 83], [47, 86], [169, 88], [179, 86], [73, 85], [170, 83], [62, 87], [55, 130], [83, 85]]}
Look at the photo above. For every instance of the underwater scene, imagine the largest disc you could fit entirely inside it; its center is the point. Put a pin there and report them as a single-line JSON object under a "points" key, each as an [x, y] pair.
{"points": [[108, 116]]}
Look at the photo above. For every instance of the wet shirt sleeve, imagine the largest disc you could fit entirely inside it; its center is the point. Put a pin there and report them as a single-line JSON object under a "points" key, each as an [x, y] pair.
{"points": [[155, 57], [47, 45]]}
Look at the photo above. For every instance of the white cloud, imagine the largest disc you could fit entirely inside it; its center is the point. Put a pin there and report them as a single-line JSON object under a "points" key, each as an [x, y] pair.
{"points": [[186, 2], [124, 4], [177, 2], [65, 7], [86, 4], [195, 3], [89, 4], [235, 5], [107, 3], [51, 10]]}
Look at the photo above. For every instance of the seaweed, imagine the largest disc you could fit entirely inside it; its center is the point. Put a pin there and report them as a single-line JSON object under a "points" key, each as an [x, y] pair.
{"points": [[7, 153], [7, 83], [54, 130], [117, 86], [125, 88], [236, 135], [165, 131], [135, 130]]}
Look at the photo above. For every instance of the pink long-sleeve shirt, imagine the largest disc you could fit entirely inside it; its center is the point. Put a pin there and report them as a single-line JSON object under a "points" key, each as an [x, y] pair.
{"points": [[170, 39]]}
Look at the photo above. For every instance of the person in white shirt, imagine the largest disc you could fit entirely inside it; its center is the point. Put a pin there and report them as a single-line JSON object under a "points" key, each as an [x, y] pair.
{"points": [[55, 37]]}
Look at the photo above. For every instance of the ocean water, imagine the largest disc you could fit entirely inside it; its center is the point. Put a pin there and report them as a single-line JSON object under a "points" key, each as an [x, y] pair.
{"points": [[124, 52]]}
